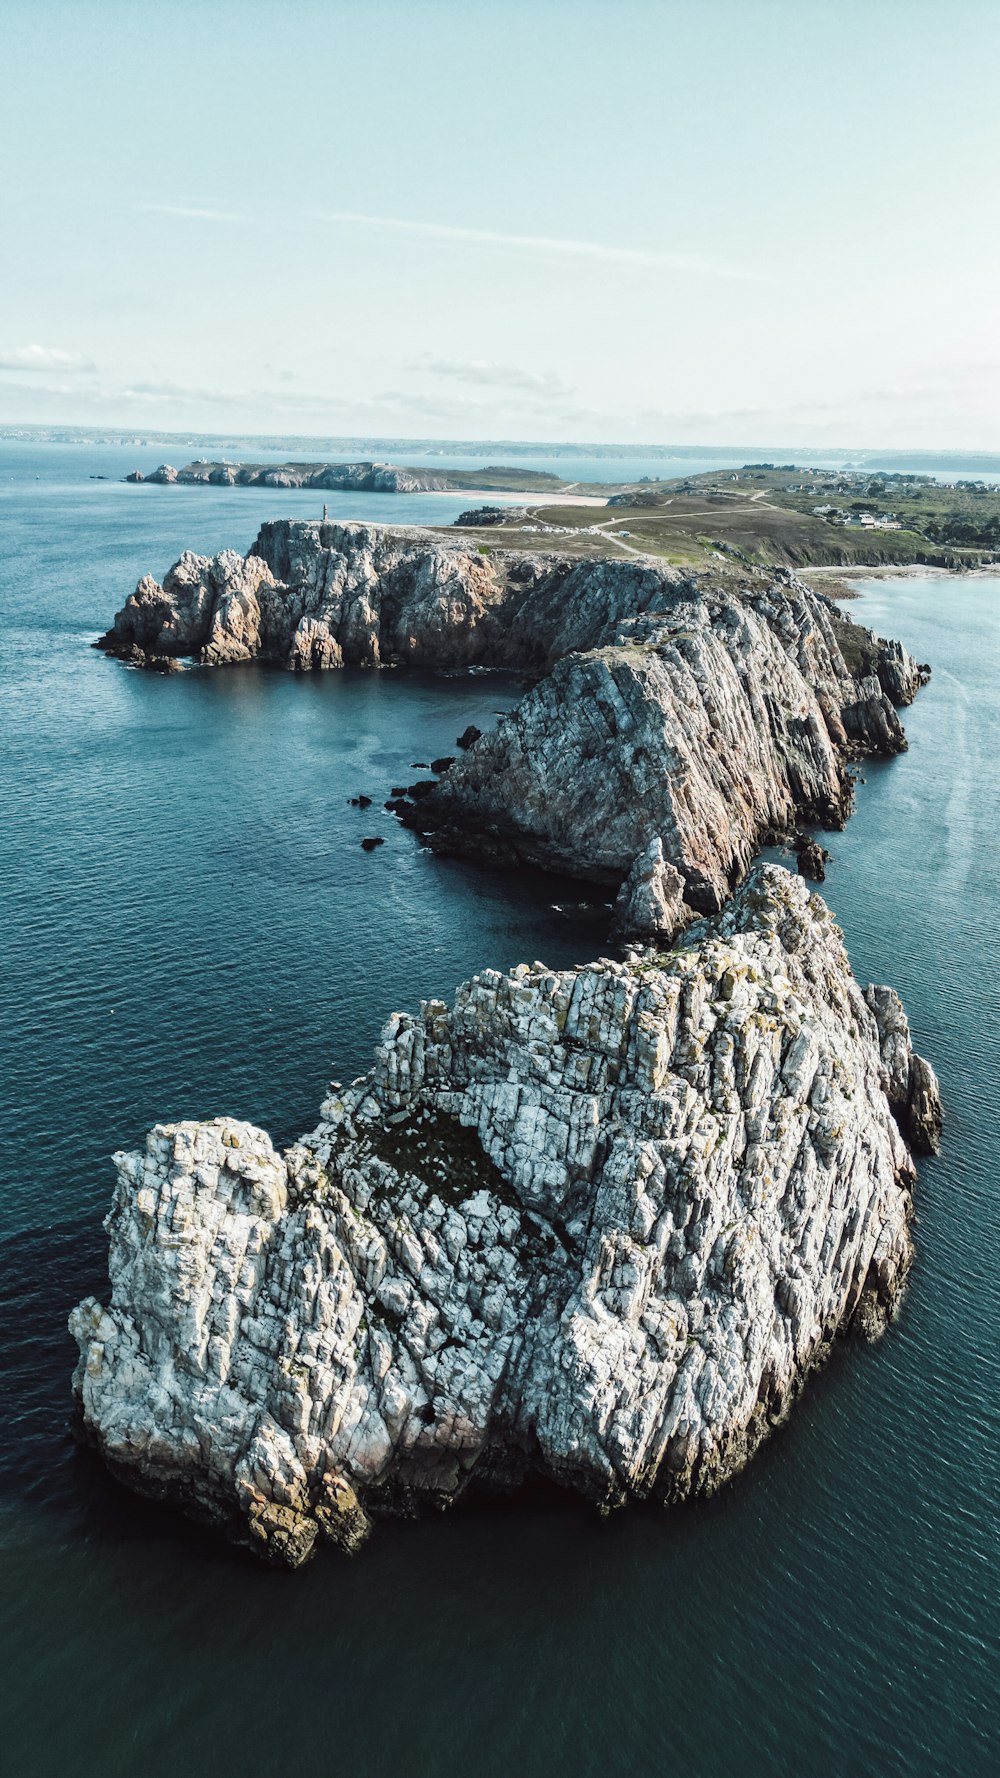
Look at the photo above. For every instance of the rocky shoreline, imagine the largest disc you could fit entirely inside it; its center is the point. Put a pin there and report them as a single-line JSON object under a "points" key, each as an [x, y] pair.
{"points": [[595, 1224]]}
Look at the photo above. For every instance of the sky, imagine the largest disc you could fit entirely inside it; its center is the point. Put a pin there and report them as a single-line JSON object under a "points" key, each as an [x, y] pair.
{"points": [[636, 221]]}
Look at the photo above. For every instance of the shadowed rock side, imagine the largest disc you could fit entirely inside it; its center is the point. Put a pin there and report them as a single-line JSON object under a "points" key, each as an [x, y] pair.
{"points": [[702, 713], [594, 1224], [708, 727]]}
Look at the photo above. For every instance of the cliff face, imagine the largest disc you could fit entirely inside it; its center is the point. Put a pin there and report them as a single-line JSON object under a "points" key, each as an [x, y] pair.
{"points": [[694, 713], [594, 1224], [375, 595], [706, 726]]}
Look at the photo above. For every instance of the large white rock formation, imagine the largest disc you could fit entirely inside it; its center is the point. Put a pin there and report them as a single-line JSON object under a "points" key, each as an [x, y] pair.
{"points": [[595, 1224]]}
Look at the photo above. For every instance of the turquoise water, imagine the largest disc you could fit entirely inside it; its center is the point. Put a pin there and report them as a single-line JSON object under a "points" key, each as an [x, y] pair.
{"points": [[190, 926]]}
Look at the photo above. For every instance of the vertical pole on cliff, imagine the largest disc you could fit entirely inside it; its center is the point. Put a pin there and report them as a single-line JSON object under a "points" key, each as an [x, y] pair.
{"points": [[326, 512]]}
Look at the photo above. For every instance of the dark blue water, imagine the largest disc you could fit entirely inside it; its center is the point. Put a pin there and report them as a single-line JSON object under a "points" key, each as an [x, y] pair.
{"points": [[190, 926]]}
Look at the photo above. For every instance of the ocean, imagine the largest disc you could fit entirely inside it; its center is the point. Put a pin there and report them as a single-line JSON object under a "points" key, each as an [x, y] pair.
{"points": [[190, 927]]}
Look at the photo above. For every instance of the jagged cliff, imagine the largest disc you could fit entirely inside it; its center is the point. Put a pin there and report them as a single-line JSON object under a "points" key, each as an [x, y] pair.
{"points": [[701, 712], [595, 1224], [708, 726]]}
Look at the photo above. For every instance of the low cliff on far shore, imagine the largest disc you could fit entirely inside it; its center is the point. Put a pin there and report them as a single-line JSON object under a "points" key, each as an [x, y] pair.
{"points": [[367, 478]]}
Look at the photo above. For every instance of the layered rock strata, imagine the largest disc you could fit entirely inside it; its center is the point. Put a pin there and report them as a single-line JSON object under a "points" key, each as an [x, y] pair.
{"points": [[593, 1224]]}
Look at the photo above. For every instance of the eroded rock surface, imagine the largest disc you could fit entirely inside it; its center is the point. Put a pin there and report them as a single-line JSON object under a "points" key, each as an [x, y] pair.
{"points": [[595, 1224], [651, 909]]}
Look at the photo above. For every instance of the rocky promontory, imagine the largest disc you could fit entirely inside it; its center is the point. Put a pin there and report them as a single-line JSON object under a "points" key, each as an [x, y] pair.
{"points": [[594, 1224], [703, 711]]}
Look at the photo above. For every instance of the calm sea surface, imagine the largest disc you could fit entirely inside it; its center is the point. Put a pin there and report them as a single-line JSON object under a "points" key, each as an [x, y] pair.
{"points": [[190, 927]]}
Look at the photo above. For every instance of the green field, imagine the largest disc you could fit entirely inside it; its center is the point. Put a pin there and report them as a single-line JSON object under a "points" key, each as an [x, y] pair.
{"points": [[764, 515]]}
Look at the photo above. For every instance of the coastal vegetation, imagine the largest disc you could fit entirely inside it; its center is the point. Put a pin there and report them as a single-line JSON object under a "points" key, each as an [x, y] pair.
{"points": [[762, 515], [800, 518]]}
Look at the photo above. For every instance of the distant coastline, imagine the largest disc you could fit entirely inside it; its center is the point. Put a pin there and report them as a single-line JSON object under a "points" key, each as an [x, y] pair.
{"points": [[923, 462]]}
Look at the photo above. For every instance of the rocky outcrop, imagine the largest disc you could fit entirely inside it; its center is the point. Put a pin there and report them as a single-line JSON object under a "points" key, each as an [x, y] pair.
{"points": [[388, 594], [492, 515], [594, 1224], [216, 603], [650, 908], [911, 1084], [704, 713], [811, 858]]}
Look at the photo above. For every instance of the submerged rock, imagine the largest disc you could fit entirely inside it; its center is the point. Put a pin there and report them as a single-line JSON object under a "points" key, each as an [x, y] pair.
{"points": [[594, 1224]]}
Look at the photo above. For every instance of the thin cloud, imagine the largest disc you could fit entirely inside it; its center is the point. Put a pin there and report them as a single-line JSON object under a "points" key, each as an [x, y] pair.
{"points": [[532, 246], [486, 373], [189, 214], [44, 358], [544, 246], [514, 409]]}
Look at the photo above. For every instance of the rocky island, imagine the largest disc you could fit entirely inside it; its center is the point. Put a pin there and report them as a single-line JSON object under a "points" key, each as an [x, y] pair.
{"points": [[593, 1224]]}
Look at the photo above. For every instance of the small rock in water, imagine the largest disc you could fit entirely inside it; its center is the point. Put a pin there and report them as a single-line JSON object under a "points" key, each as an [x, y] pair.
{"points": [[811, 857], [370, 844], [469, 736]]}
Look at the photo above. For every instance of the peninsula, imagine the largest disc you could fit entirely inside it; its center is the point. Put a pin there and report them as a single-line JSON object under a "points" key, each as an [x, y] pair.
{"points": [[595, 1224]]}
